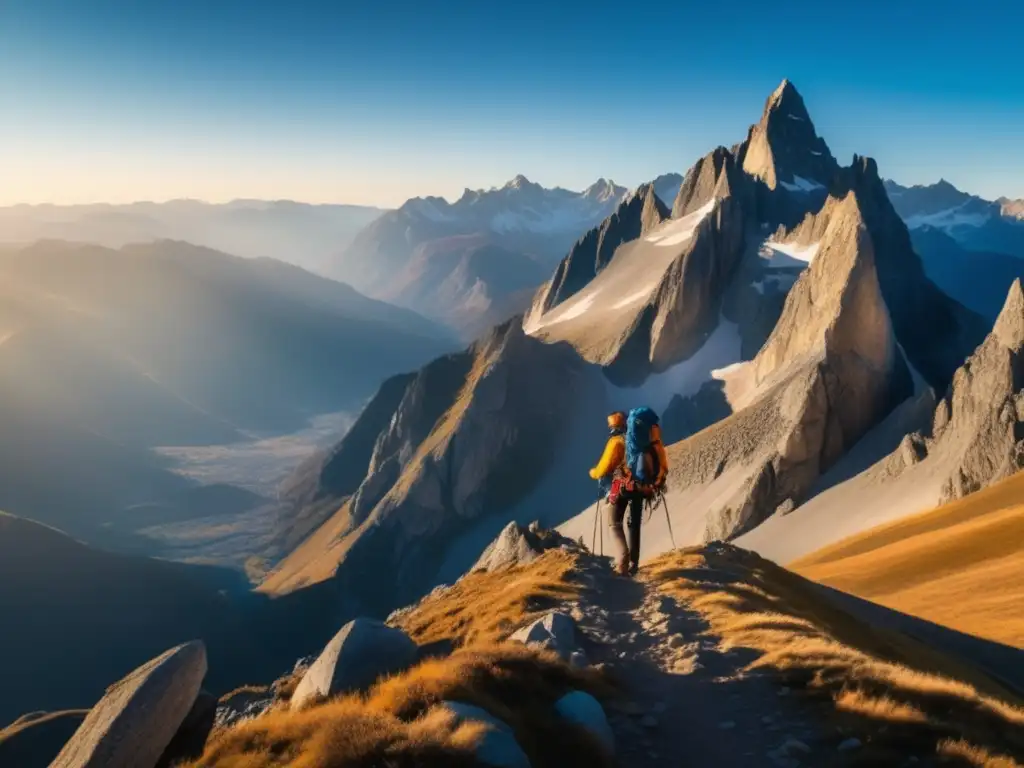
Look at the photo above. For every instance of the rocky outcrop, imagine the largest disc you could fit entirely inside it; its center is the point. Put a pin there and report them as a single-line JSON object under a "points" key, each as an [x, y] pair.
{"points": [[829, 371], [361, 653], [705, 181], [935, 331], [131, 726], [635, 216], [977, 435], [518, 545]]}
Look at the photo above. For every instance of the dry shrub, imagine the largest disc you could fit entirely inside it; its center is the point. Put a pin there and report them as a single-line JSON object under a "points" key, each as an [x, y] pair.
{"points": [[398, 722], [904, 695], [484, 607]]}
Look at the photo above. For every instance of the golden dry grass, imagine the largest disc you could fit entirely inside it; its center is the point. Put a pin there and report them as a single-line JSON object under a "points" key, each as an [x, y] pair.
{"points": [[398, 722], [905, 697], [483, 607], [961, 565]]}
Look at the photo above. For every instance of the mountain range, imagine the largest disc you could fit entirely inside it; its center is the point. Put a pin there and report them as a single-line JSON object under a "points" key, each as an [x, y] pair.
{"points": [[106, 354], [474, 263], [775, 312], [957, 233], [303, 234]]}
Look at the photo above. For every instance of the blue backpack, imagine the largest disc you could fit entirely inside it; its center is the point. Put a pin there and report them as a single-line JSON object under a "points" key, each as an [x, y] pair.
{"points": [[641, 458]]}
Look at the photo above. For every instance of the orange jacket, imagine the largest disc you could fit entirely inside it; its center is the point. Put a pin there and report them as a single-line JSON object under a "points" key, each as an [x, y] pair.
{"points": [[612, 458]]}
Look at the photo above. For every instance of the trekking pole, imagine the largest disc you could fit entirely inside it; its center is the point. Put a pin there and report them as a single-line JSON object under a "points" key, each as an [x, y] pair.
{"points": [[668, 519], [597, 513]]}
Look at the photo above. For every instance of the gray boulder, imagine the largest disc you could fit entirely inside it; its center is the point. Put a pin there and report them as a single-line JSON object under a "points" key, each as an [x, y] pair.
{"points": [[498, 747], [554, 631], [134, 722], [517, 545], [361, 653], [584, 710]]}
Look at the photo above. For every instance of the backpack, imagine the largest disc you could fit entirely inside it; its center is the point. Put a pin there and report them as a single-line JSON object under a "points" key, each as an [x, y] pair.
{"points": [[642, 432]]}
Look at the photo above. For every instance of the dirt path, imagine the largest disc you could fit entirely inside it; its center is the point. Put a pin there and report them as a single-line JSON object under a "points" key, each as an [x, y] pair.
{"points": [[690, 704]]}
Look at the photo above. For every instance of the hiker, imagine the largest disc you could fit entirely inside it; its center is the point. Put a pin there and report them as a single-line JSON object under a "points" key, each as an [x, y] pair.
{"points": [[609, 473], [644, 473], [632, 469]]}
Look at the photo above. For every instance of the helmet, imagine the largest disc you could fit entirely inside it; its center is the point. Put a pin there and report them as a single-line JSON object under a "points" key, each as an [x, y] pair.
{"points": [[617, 420]]}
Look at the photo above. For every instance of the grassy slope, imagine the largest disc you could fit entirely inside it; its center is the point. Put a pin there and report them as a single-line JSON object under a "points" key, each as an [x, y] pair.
{"points": [[906, 698], [961, 565]]}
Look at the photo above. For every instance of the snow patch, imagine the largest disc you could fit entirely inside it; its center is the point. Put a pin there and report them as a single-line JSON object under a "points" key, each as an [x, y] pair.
{"points": [[720, 351], [723, 373], [795, 117], [778, 282], [788, 254], [815, 153], [573, 307], [678, 231], [800, 184]]}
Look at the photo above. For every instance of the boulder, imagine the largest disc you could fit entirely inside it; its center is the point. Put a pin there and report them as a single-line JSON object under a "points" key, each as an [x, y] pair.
{"points": [[190, 740], [361, 653], [517, 545], [582, 709], [498, 747], [554, 631], [132, 725]]}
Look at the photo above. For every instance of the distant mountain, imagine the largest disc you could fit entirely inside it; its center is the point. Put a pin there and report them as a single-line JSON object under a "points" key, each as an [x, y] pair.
{"points": [[975, 223], [960, 234], [467, 282], [498, 240], [105, 354], [297, 233]]}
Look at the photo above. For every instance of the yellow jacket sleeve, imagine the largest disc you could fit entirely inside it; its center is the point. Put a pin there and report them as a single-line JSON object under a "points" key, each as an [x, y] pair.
{"points": [[611, 459]]}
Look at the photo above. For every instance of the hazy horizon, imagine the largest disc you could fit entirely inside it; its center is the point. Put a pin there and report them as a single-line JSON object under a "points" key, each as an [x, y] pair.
{"points": [[118, 102]]}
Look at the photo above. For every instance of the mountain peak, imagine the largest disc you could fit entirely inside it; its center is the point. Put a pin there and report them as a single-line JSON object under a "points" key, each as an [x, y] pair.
{"points": [[603, 190], [1009, 326], [783, 149], [520, 182]]}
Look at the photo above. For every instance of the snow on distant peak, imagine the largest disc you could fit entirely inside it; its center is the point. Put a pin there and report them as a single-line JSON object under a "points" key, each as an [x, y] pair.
{"points": [[795, 117], [948, 219], [519, 182], [800, 184]]}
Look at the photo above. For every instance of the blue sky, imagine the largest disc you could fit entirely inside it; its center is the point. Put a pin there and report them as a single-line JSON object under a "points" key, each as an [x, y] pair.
{"points": [[111, 100]]}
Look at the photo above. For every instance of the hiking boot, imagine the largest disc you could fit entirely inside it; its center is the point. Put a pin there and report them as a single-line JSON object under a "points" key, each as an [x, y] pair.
{"points": [[622, 566], [633, 568]]}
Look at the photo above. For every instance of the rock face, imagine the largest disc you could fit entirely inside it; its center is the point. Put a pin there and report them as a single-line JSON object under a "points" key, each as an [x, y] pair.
{"points": [[783, 149], [935, 331], [131, 726], [978, 429], [517, 545], [34, 740], [829, 371], [635, 216], [361, 653]]}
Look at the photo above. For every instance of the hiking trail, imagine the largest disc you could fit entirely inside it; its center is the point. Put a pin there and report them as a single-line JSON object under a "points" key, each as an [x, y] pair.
{"points": [[687, 701]]}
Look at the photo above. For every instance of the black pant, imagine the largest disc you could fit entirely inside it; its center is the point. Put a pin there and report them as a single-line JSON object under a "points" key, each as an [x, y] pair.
{"points": [[635, 503]]}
